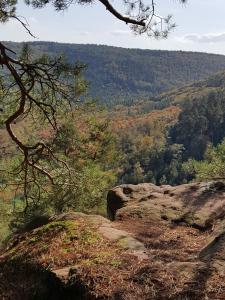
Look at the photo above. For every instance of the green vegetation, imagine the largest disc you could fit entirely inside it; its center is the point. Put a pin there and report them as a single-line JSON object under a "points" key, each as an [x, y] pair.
{"points": [[157, 145], [212, 167], [5, 217], [127, 76], [147, 155], [201, 121], [102, 148], [63, 153], [86, 145], [88, 149]]}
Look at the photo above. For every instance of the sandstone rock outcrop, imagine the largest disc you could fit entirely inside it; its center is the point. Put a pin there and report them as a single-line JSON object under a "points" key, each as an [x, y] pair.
{"points": [[199, 205], [184, 226], [164, 243], [74, 256]]}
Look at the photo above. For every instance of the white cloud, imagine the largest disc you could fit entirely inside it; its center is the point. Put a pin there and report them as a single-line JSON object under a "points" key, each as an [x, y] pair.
{"points": [[205, 38], [120, 32], [83, 33], [32, 20]]}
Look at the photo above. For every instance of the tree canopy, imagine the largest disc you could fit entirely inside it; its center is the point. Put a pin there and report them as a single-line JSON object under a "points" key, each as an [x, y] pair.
{"points": [[34, 88], [36, 84]]}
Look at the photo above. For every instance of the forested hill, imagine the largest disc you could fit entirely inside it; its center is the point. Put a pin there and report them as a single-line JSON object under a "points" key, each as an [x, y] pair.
{"points": [[198, 89], [119, 75]]}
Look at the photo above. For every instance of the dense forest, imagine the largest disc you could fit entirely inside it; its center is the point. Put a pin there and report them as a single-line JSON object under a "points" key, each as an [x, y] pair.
{"points": [[159, 144], [112, 160], [125, 76], [175, 138]]}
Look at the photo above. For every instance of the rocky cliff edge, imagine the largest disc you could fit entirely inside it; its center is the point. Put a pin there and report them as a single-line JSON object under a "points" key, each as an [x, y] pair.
{"points": [[162, 242]]}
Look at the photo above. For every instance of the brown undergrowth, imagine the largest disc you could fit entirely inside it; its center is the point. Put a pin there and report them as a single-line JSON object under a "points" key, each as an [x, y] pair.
{"points": [[98, 268], [174, 267], [71, 260]]}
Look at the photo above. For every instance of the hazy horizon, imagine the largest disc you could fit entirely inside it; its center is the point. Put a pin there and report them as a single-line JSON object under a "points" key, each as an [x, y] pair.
{"points": [[91, 24], [122, 47]]}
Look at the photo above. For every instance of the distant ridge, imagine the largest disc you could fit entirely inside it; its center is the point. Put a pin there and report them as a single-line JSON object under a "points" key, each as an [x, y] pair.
{"points": [[124, 76], [198, 89]]}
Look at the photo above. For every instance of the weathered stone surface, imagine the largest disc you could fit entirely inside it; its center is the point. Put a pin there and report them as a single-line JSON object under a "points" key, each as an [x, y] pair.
{"points": [[125, 240], [197, 204], [96, 219], [165, 243]]}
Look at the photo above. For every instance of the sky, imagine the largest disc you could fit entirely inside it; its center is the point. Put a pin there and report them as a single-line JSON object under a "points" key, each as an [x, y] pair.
{"points": [[200, 26]]}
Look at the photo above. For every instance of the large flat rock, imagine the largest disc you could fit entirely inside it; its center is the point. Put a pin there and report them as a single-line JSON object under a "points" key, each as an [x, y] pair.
{"points": [[164, 243], [197, 204]]}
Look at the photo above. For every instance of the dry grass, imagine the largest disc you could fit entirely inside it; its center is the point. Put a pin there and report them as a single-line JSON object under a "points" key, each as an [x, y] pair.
{"points": [[103, 270], [102, 266], [174, 267]]}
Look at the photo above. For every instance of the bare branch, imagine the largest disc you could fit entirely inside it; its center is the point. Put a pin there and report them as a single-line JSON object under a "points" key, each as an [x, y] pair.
{"points": [[37, 86], [25, 25], [119, 16]]}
